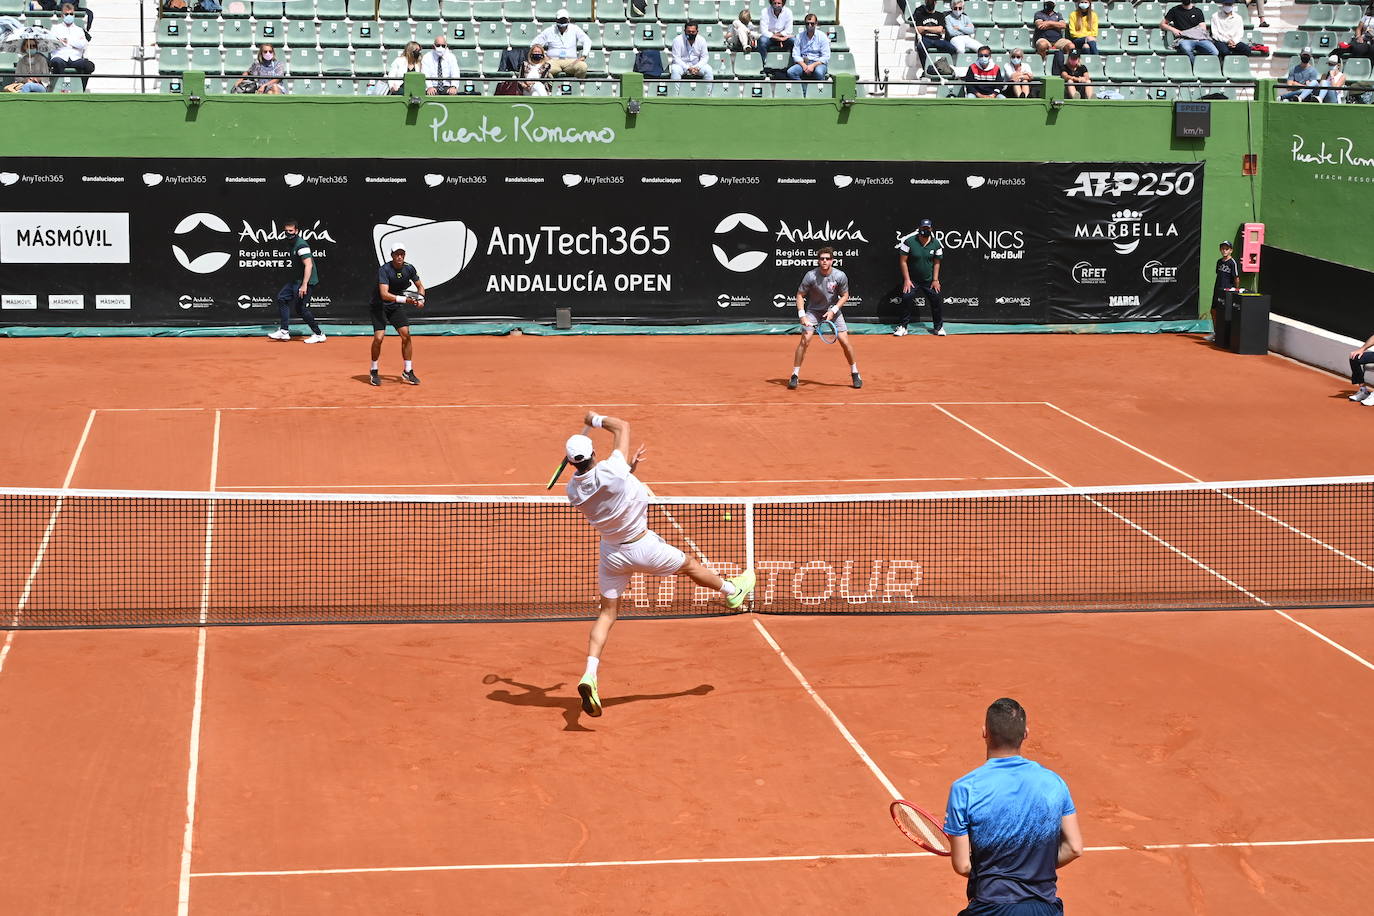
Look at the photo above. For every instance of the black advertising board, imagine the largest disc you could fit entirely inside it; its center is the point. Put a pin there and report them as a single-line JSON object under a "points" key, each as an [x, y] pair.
{"points": [[161, 243]]}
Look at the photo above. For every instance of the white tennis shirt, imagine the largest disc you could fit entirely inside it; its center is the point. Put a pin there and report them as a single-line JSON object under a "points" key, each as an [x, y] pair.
{"points": [[612, 499]]}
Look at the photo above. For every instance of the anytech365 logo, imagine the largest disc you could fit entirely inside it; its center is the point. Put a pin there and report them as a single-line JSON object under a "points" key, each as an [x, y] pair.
{"points": [[211, 260], [439, 250], [1125, 230], [741, 242]]}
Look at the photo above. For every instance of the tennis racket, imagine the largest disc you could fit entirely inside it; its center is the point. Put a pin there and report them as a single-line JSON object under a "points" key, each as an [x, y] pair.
{"points": [[920, 827], [563, 464], [825, 330]]}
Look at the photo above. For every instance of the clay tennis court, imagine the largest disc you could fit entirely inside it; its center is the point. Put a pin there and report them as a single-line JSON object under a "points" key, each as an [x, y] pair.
{"points": [[744, 764]]}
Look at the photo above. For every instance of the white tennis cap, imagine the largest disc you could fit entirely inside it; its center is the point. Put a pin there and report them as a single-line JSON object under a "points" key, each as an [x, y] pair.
{"points": [[579, 448]]}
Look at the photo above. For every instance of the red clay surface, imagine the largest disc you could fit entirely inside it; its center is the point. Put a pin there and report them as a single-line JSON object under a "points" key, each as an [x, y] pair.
{"points": [[382, 747]]}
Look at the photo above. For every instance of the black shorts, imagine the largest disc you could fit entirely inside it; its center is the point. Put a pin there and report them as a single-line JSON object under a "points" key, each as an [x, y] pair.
{"points": [[387, 313]]}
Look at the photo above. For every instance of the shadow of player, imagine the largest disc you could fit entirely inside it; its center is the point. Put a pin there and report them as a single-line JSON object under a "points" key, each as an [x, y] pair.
{"points": [[542, 697]]}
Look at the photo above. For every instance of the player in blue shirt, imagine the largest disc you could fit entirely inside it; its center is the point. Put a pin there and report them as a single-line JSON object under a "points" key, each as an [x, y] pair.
{"points": [[1011, 824]]}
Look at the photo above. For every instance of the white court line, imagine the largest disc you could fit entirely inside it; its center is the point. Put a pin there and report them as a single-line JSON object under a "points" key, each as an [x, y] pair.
{"points": [[730, 860], [1258, 511], [193, 762], [43, 544], [413, 486], [583, 407]]}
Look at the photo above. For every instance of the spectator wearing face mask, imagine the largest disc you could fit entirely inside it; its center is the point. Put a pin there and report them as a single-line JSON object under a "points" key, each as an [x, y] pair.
{"points": [[775, 28], [930, 32], [959, 29], [440, 68], [1228, 29], [408, 62], [984, 78], [1018, 76], [1048, 28], [30, 70], [688, 55], [566, 46], [1362, 44], [1301, 77], [535, 71], [264, 74], [1334, 80], [1083, 27], [810, 53], [53, 6], [1077, 82], [1189, 28], [75, 40]]}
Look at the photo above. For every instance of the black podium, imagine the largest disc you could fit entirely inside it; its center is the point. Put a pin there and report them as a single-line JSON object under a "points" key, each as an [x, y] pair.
{"points": [[1246, 323]]}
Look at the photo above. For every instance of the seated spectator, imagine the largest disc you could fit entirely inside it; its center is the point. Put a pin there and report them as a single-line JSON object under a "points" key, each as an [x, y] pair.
{"points": [[1047, 30], [264, 74], [1185, 23], [1228, 29], [30, 70], [1018, 75], [959, 29], [1335, 80], [566, 46], [1077, 83], [1362, 45], [930, 34], [408, 62], [52, 6], [775, 29], [688, 55], [1083, 27], [535, 72], [810, 53], [1301, 75], [440, 68], [72, 54], [743, 35], [984, 78]]}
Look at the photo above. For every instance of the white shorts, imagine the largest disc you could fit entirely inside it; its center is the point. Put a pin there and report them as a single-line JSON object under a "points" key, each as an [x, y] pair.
{"points": [[650, 554]]}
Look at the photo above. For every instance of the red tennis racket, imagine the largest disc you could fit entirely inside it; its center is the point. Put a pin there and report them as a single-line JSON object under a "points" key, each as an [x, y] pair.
{"points": [[920, 826]]}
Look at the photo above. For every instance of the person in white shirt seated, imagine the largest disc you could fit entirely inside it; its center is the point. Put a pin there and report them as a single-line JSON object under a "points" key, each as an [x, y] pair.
{"points": [[567, 47], [440, 68], [743, 35], [775, 29], [1228, 30], [689, 55], [534, 72], [75, 40], [959, 29], [408, 62]]}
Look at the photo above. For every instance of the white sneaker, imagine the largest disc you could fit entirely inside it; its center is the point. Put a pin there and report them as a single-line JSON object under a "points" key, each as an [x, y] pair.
{"points": [[316, 338], [1368, 400], [1360, 395], [280, 334], [939, 332], [900, 331], [1210, 338]]}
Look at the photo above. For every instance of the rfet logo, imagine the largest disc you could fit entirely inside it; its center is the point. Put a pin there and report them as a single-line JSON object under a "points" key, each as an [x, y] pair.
{"points": [[1085, 272], [1155, 272]]}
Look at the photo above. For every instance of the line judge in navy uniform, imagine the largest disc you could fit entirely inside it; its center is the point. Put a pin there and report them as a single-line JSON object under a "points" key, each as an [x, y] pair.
{"points": [[389, 300]]}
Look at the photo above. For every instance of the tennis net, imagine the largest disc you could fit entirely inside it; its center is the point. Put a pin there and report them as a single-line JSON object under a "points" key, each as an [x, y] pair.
{"points": [[72, 558]]}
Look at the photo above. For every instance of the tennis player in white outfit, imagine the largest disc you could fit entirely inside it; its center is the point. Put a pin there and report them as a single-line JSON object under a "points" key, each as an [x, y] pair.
{"points": [[616, 504]]}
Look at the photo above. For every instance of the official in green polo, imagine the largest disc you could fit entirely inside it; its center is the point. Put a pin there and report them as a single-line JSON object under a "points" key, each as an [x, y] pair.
{"points": [[919, 259]]}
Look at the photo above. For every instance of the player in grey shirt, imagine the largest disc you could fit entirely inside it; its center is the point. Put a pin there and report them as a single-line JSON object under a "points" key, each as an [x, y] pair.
{"points": [[822, 293]]}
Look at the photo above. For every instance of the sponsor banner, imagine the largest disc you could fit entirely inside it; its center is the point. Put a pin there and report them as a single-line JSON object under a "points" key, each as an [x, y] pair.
{"points": [[676, 242]]}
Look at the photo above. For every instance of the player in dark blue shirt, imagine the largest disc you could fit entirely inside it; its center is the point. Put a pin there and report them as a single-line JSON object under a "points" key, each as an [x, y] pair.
{"points": [[1011, 824], [389, 301]]}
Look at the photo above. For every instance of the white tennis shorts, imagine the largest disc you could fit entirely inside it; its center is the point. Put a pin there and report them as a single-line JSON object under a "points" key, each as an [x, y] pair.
{"points": [[650, 554]]}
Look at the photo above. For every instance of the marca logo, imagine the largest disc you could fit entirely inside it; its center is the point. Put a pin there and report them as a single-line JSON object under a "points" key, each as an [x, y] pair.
{"points": [[1125, 230], [210, 261], [825, 233], [729, 300], [1155, 272], [1084, 272], [736, 238], [64, 238], [438, 249], [1119, 301]]}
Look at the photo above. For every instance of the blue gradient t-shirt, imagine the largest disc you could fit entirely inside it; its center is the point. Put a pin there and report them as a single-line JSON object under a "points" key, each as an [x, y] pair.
{"points": [[1010, 808]]}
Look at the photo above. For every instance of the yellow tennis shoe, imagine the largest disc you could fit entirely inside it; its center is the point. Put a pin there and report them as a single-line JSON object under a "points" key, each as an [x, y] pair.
{"points": [[591, 700], [744, 585]]}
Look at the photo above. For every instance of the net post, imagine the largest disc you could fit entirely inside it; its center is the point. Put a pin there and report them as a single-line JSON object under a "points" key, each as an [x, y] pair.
{"points": [[748, 534]]}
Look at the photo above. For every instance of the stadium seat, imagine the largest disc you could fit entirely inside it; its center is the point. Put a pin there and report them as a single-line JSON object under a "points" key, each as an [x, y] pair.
{"points": [[469, 61], [299, 9], [393, 9], [1358, 69], [648, 36], [1118, 15], [617, 35], [334, 34], [171, 33], [303, 61], [713, 33], [1237, 69], [704, 11], [237, 33], [1109, 41], [596, 63], [1135, 41], [722, 64], [236, 9], [491, 34], [364, 34], [672, 10], [611, 10], [336, 61], [838, 42], [359, 10], [1347, 17], [523, 34], [238, 60], [843, 62], [1151, 69], [992, 37], [66, 85], [7, 61], [268, 9], [207, 60], [203, 33], [268, 31], [301, 33], [1320, 17], [424, 10], [776, 60], [1121, 68], [426, 32], [1007, 14], [369, 62], [1151, 13], [491, 61], [460, 34], [1326, 42], [395, 34], [621, 61], [600, 88], [1291, 43], [335, 85], [172, 60], [980, 12], [1178, 69], [331, 9], [1207, 67], [455, 10], [488, 10]]}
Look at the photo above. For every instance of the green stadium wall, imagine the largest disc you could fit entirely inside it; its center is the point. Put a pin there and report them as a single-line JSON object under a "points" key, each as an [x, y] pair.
{"points": [[171, 126]]}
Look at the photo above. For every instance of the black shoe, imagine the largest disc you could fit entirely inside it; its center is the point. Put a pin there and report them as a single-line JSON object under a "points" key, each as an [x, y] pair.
{"points": [[374, 379], [411, 377], [792, 382], [858, 382]]}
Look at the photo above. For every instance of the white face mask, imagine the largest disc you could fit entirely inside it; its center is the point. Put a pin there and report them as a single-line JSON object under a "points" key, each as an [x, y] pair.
{"points": [[267, 55], [1083, 6], [984, 60], [69, 19]]}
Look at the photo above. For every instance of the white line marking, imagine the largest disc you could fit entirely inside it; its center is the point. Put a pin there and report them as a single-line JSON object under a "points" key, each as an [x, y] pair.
{"points": [[18, 614], [730, 860], [416, 486], [1262, 514], [732, 404], [193, 761]]}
